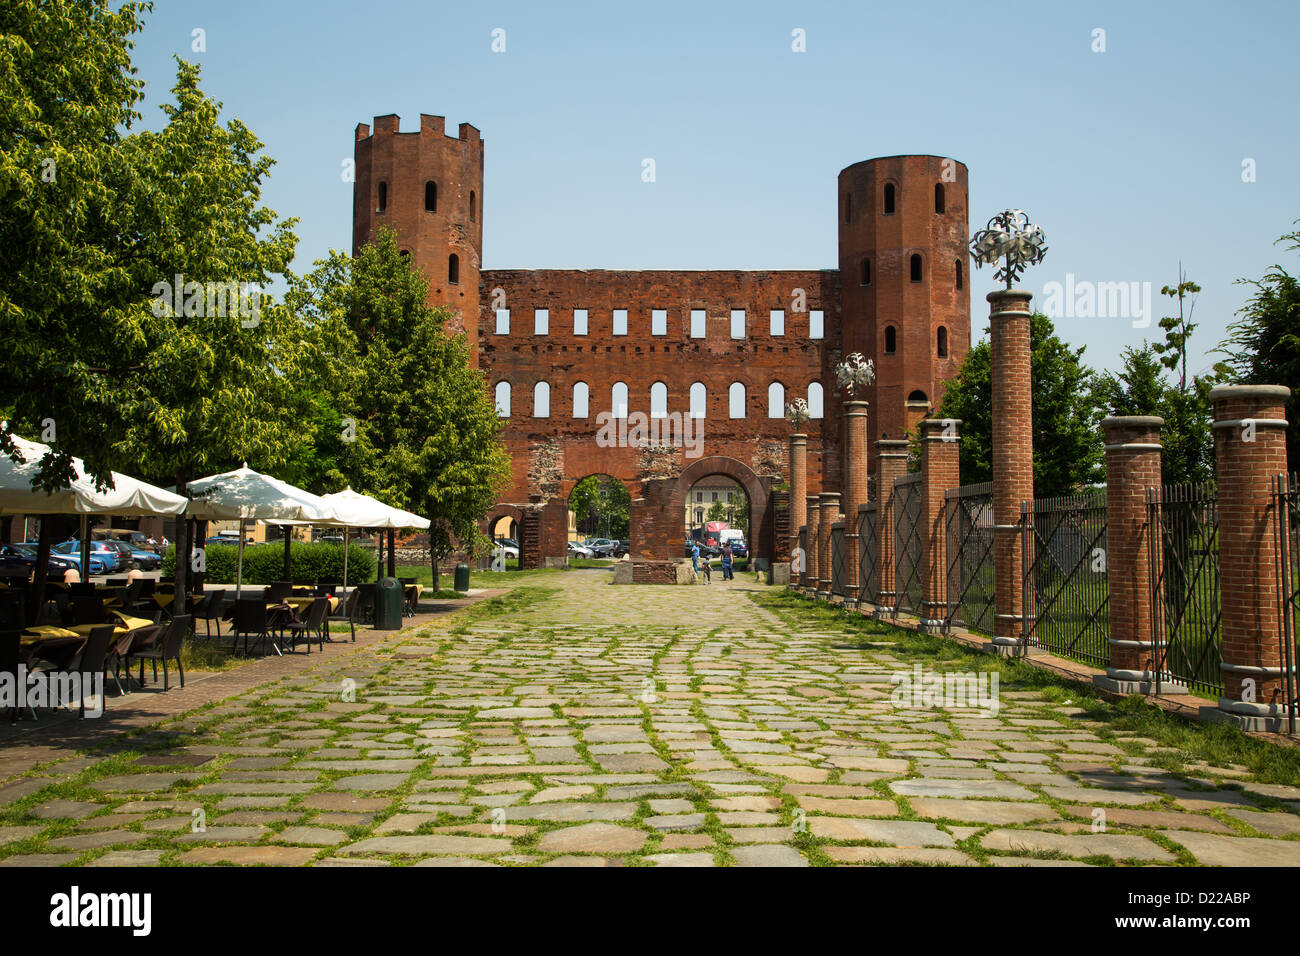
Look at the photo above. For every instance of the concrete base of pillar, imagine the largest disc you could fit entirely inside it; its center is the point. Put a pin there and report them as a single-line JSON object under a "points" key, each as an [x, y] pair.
{"points": [[929, 625], [822, 595], [882, 612], [555, 562], [1007, 647], [1119, 681], [1255, 718], [780, 574], [622, 572]]}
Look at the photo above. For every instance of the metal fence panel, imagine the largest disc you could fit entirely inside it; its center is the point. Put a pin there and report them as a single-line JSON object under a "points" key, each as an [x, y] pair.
{"points": [[868, 557], [1065, 575], [968, 529], [837, 560], [1186, 612], [1286, 537], [908, 543]]}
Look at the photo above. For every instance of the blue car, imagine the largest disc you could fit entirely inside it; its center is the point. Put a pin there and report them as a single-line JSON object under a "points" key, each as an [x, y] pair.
{"points": [[102, 560]]}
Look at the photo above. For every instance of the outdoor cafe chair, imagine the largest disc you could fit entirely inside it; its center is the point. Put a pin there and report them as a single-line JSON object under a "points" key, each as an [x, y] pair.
{"points": [[81, 587], [13, 610], [349, 615], [366, 602], [10, 656], [212, 607], [166, 648], [311, 624], [92, 660], [408, 602], [278, 591], [86, 609], [251, 621]]}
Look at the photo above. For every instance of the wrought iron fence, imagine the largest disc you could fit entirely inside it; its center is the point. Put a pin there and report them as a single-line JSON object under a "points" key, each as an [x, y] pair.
{"points": [[1185, 618], [1066, 592], [968, 529], [1286, 532], [868, 556], [837, 559], [908, 542]]}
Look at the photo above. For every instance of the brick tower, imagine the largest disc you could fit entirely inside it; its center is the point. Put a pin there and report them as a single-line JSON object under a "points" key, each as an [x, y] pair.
{"points": [[905, 270], [429, 188]]}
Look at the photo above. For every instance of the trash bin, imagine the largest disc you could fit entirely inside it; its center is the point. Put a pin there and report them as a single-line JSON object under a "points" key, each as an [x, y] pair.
{"points": [[388, 605], [462, 577]]}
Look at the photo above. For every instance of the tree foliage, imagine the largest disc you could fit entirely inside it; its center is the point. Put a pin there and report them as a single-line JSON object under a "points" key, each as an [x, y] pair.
{"points": [[1263, 344], [601, 505], [1067, 445]]}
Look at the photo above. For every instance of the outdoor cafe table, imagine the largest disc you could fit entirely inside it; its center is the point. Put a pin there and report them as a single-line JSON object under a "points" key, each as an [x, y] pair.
{"points": [[302, 603]]}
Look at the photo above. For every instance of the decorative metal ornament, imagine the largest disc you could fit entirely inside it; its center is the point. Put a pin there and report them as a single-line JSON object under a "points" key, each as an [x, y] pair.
{"points": [[797, 413], [1011, 242], [854, 372]]}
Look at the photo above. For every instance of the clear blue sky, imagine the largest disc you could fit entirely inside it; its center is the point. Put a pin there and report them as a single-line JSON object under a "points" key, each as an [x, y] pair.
{"points": [[1130, 159]]}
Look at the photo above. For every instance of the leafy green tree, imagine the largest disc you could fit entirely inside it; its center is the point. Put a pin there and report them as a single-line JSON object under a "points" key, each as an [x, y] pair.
{"points": [[1139, 387], [1263, 345], [717, 512], [421, 411], [602, 505], [1067, 446]]}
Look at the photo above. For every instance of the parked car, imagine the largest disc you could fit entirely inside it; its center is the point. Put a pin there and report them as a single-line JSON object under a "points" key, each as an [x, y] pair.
{"points": [[577, 550], [136, 539], [505, 544], [101, 561], [624, 547], [738, 549], [23, 556], [603, 547], [143, 558]]}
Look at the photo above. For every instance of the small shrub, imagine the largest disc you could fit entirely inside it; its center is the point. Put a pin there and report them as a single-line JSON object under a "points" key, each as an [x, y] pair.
{"points": [[264, 563]]}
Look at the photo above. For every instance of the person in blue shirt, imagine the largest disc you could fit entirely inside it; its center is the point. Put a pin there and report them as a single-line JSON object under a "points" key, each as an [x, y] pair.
{"points": [[695, 557]]}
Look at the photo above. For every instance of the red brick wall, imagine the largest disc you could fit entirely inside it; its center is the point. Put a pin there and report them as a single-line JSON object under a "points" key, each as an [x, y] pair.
{"points": [[406, 161]]}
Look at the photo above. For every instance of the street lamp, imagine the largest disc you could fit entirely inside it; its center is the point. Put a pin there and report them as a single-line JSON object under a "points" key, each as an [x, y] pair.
{"points": [[1010, 240]]}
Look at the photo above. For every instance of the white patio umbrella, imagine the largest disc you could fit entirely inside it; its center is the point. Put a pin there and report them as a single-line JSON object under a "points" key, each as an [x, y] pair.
{"points": [[245, 495], [129, 497], [355, 510]]}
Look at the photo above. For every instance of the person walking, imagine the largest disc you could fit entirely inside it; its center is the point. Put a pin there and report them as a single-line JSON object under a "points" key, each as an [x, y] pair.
{"points": [[726, 562], [695, 557]]}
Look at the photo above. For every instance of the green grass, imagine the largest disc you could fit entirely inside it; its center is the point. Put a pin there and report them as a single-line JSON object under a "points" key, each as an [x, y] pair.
{"points": [[1187, 741]]}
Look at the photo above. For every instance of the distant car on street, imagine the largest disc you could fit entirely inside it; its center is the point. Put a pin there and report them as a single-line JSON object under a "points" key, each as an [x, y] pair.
{"points": [[577, 550], [14, 557], [102, 561]]}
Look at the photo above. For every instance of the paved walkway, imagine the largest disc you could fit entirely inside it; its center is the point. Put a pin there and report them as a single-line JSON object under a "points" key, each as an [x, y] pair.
{"points": [[665, 726]]}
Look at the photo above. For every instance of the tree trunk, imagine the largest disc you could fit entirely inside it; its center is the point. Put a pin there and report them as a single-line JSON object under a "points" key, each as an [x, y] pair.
{"points": [[40, 572], [433, 560]]}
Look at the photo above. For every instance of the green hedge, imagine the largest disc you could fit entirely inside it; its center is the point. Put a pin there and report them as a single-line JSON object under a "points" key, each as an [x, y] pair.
{"points": [[264, 563]]}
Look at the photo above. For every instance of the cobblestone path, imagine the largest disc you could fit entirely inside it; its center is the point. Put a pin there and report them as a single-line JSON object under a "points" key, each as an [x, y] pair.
{"points": [[666, 726]]}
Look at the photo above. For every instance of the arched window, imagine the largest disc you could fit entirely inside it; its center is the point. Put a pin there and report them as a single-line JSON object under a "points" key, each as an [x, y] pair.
{"points": [[916, 267], [866, 271], [889, 199], [918, 396], [430, 196], [699, 398], [453, 268], [473, 207], [938, 199], [736, 400], [891, 340], [541, 400], [776, 400], [658, 400], [959, 275], [941, 342], [503, 399], [815, 404], [581, 399], [618, 400], [383, 196]]}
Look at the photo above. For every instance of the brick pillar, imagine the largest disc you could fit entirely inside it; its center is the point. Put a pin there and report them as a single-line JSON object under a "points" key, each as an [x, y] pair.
{"points": [[830, 513], [939, 472], [813, 505], [798, 490], [891, 463], [855, 491], [1013, 459], [1249, 450], [1132, 467]]}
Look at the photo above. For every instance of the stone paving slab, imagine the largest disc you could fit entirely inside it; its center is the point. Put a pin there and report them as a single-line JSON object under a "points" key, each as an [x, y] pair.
{"points": [[613, 726]]}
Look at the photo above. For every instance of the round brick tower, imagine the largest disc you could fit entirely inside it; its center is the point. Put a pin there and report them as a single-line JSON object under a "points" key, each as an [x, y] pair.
{"points": [[429, 188], [905, 273]]}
